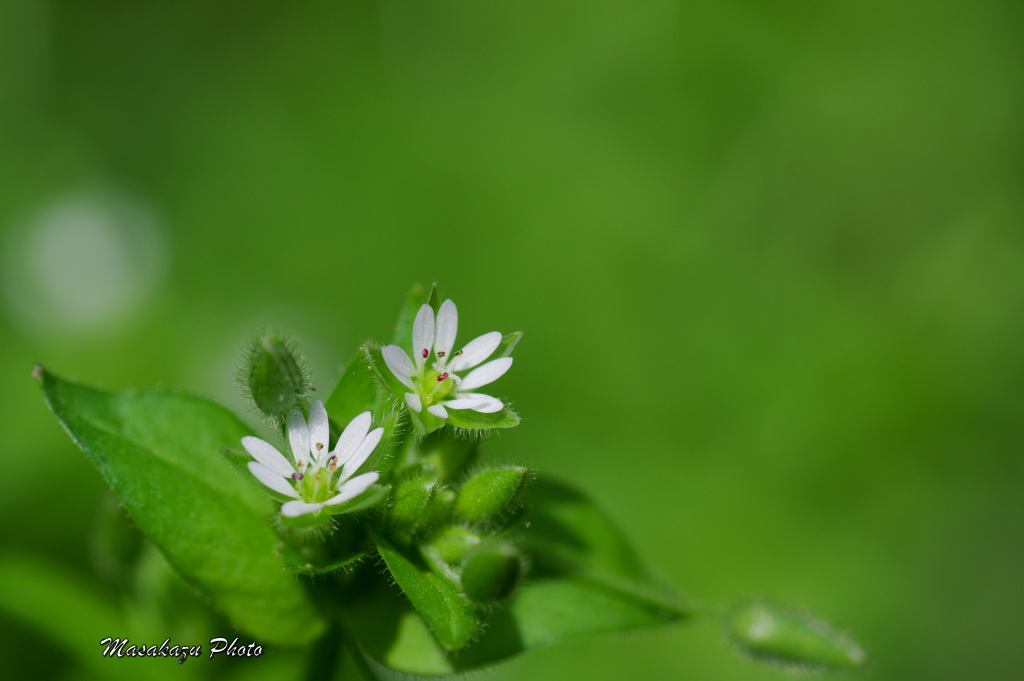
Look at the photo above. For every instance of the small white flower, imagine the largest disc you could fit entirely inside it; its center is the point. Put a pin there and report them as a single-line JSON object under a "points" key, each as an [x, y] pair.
{"points": [[316, 477], [436, 384]]}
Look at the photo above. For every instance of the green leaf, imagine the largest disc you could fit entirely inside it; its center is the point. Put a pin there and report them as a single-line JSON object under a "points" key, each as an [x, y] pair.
{"points": [[355, 392], [474, 420], [452, 619], [566, 533], [373, 495], [161, 453], [587, 580], [778, 634], [407, 315]]}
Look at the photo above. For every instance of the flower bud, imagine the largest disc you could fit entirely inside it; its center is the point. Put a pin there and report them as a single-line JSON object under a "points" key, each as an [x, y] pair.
{"points": [[490, 494], [419, 504], [491, 572], [274, 377], [454, 542], [780, 635]]}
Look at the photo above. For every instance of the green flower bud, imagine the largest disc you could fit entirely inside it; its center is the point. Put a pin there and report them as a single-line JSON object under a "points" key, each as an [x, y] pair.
{"points": [[454, 542], [419, 504], [274, 377], [780, 635], [491, 572], [490, 494]]}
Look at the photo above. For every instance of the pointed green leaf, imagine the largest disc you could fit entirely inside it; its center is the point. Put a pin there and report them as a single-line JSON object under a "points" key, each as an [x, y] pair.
{"points": [[778, 634], [451, 618], [161, 454], [566, 533]]}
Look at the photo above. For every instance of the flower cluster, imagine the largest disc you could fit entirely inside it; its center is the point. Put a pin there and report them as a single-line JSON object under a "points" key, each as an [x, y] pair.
{"points": [[316, 477], [432, 374]]}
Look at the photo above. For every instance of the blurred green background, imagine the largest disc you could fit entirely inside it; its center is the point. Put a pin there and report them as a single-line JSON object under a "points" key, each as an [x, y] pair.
{"points": [[768, 257]]}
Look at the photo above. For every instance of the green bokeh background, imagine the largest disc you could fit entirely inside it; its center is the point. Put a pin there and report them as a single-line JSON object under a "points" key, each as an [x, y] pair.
{"points": [[768, 257]]}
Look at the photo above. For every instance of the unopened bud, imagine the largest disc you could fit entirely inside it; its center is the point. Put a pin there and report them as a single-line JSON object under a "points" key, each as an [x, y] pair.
{"points": [[419, 504], [274, 376], [490, 494], [779, 635], [491, 572]]}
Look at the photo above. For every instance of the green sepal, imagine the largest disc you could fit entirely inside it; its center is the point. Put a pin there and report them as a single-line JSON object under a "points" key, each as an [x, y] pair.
{"points": [[373, 495], [492, 494], [300, 562], [507, 345], [474, 420], [777, 634], [450, 616]]}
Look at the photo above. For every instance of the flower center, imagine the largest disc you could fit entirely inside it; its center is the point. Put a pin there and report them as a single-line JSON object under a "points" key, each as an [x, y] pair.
{"points": [[316, 486], [436, 384]]}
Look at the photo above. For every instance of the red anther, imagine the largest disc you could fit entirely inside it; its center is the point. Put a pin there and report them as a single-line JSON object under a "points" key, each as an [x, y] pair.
{"points": [[442, 377], [426, 353], [296, 476]]}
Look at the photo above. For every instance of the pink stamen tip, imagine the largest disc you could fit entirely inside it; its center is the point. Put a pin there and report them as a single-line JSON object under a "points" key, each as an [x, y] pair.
{"points": [[296, 476], [426, 353], [442, 377]]}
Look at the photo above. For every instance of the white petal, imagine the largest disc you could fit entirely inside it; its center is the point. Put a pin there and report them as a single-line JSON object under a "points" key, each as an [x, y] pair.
{"points": [[319, 431], [483, 375], [364, 451], [439, 411], [298, 437], [477, 350], [399, 364], [272, 480], [350, 489], [485, 404], [422, 334], [353, 435], [267, 454], [293, 509], [444, 334], [414, 402]]}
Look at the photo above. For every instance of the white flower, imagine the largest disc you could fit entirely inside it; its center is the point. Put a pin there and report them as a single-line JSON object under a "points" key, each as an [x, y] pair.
{"points": [[317, 478], [437, 384]]}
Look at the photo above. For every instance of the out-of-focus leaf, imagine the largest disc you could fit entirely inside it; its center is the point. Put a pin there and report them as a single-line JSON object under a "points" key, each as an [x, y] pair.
{"points": [[567, 534], [161, 453], [451, 617], [776, 634]]}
